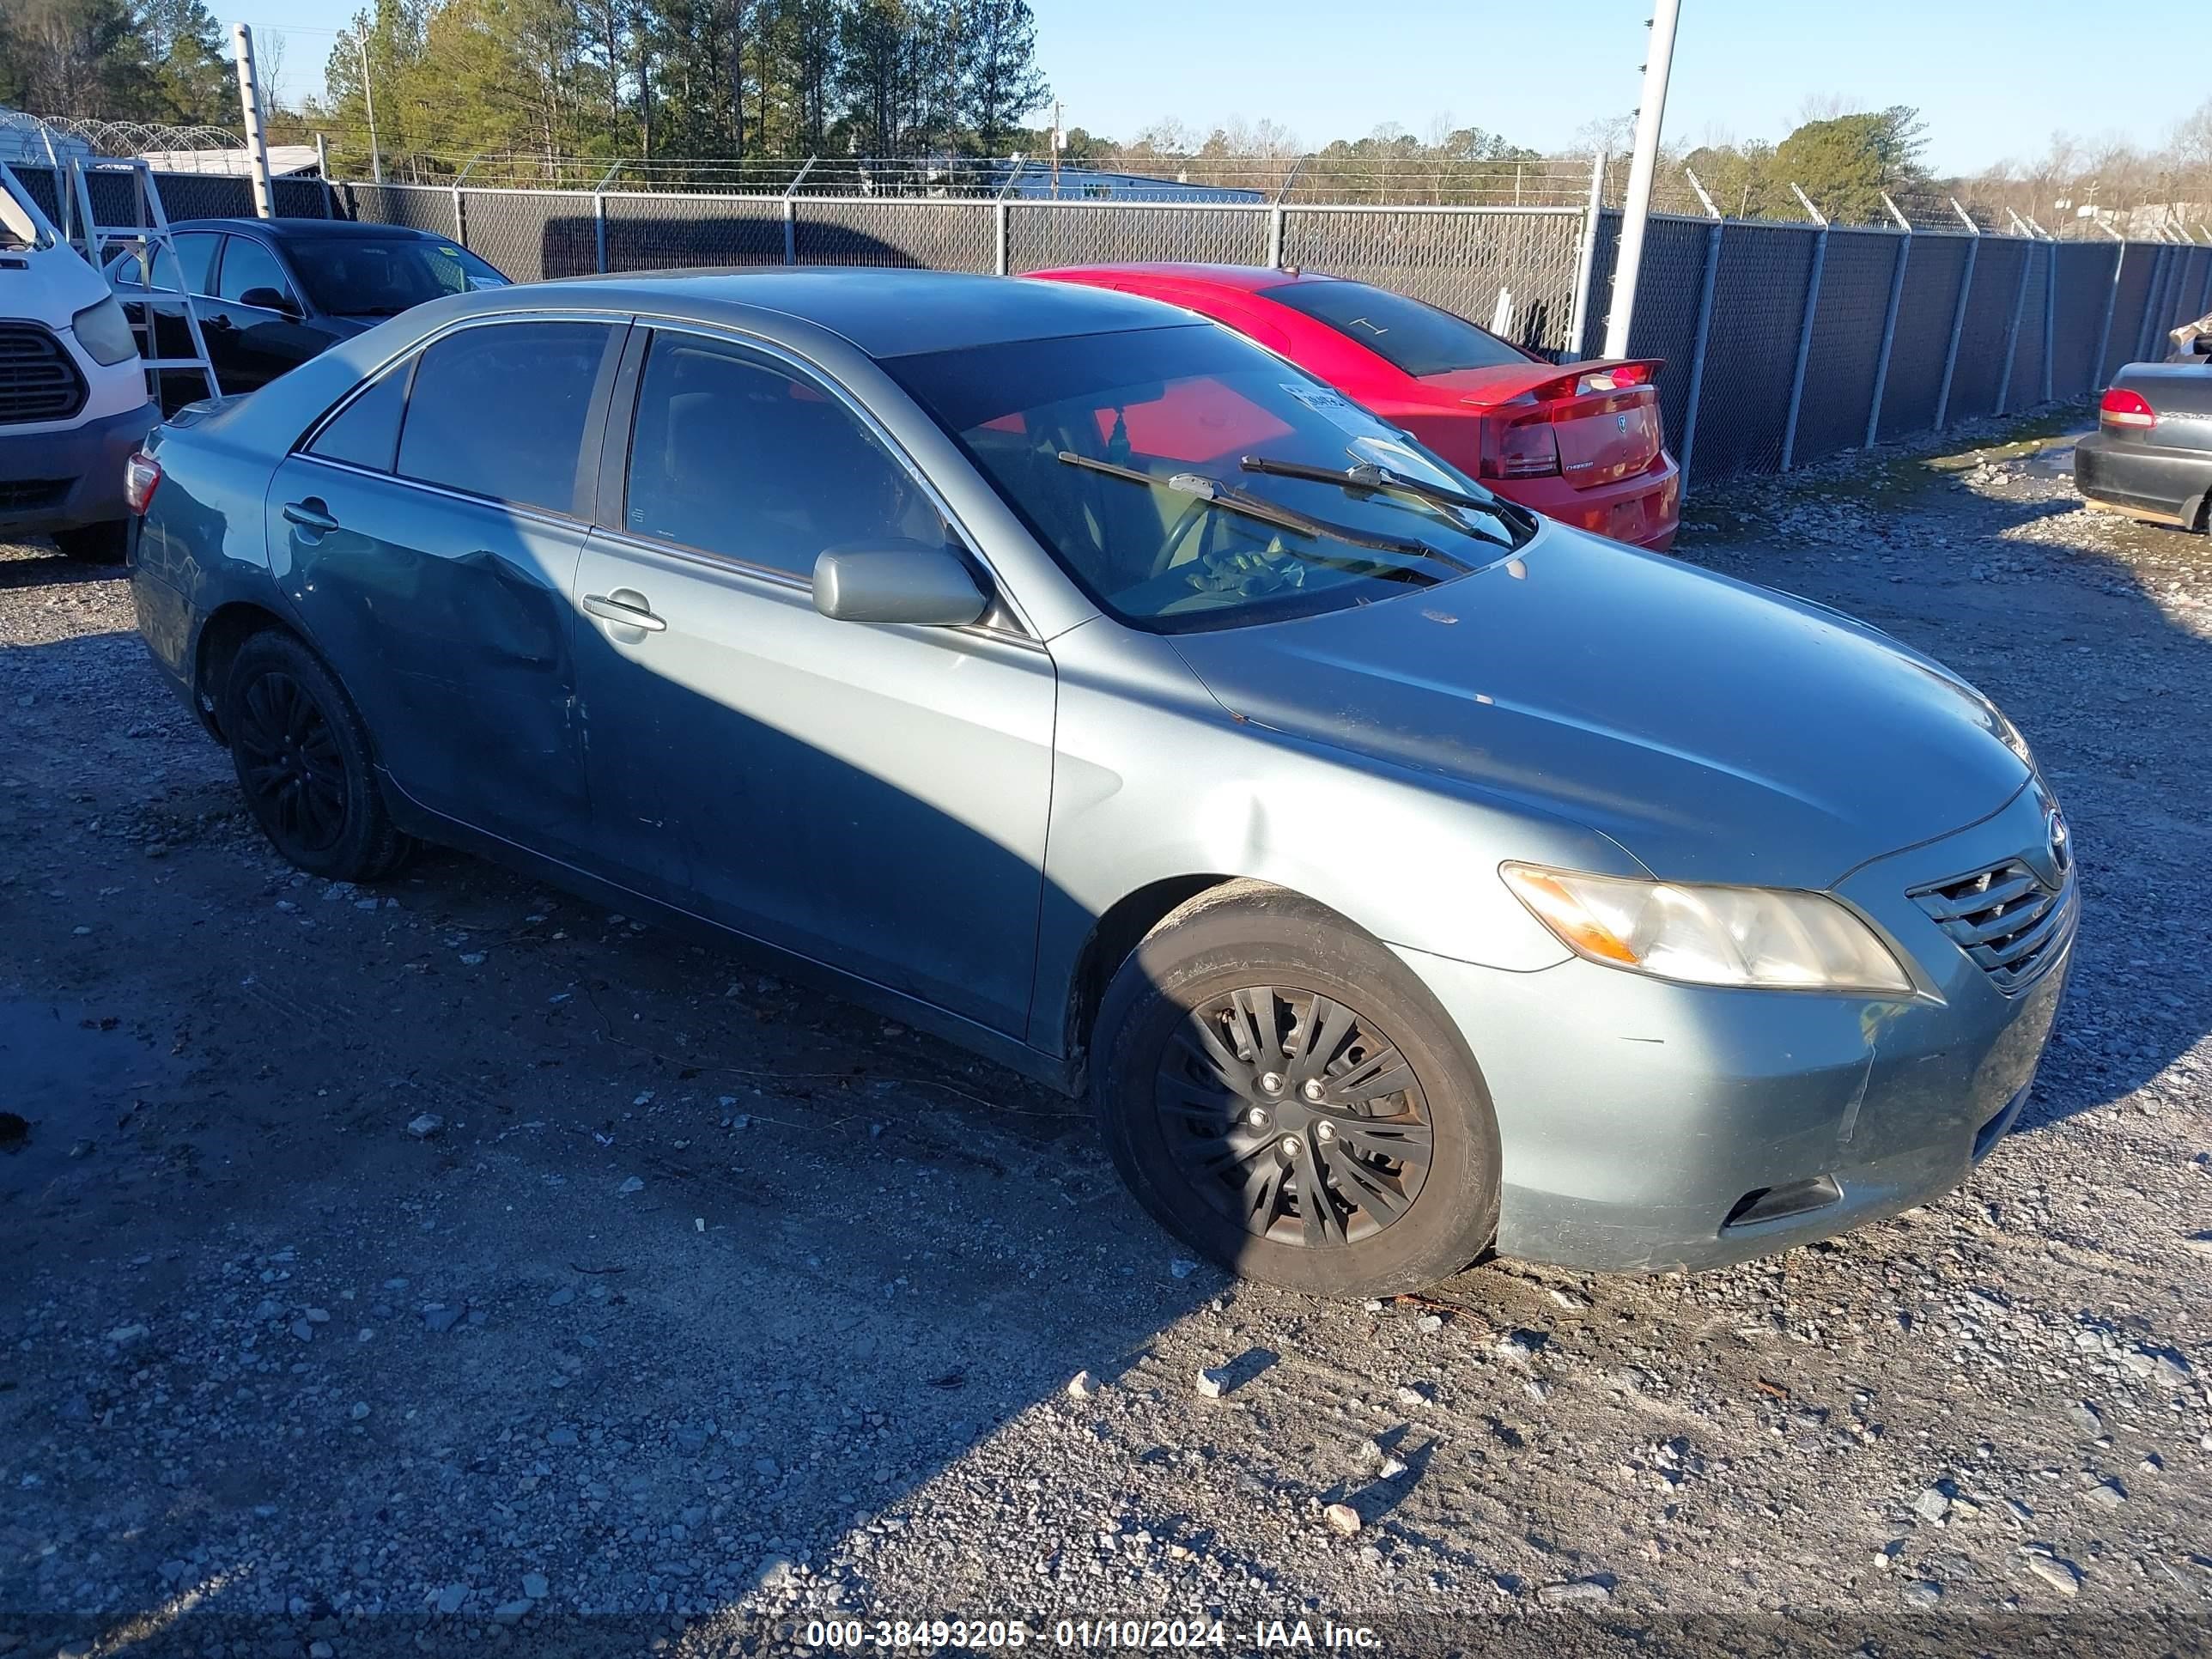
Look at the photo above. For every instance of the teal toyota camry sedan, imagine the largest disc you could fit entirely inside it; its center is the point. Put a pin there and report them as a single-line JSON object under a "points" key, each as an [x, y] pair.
{"points": [[1401, 876]]}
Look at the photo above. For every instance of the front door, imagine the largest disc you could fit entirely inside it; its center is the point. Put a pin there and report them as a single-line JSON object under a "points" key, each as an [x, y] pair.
{"points": [[428, 534], [871, 797], [253, 327]]}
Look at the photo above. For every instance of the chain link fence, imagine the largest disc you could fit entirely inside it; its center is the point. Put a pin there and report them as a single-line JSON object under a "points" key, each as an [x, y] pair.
{"points": [[1785, 344]]}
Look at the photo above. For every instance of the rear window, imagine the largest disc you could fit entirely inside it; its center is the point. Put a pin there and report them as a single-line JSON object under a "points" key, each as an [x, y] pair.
{"points": [[1417, 338]]}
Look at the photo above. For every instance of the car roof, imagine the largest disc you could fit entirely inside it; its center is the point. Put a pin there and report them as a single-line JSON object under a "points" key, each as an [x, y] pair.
{"points": [[309, 230], [1242, 279], [884, 312]]}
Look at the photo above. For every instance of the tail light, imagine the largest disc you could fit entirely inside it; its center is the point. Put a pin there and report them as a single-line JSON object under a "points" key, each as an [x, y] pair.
{"points": [[1518, 441], [2121, 407], [141, 476]]}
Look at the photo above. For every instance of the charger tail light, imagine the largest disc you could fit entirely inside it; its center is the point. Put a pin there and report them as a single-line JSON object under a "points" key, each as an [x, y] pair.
{"points": [[1518, 440], [141, 476], [2121, 407]]}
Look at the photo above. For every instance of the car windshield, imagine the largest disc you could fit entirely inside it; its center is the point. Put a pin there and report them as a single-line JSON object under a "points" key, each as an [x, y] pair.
{"points": [[367, 276], [1124, 452], [1417, 338]]}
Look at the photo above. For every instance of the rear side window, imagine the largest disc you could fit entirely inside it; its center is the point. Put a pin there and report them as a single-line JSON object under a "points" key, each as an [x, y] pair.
{"points": [[366, 431], [1416, 338], [500, 410], [195, 255]]}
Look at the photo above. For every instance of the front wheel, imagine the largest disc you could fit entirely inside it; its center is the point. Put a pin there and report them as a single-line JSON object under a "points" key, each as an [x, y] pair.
{"points": [[1280, 1092], [303, 761]]}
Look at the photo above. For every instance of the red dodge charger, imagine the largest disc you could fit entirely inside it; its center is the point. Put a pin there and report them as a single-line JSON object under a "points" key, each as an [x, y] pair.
{"points": [[1578, 442]]}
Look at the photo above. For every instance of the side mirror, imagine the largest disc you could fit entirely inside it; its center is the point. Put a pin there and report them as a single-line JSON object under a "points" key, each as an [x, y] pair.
{"points": [[269, 299], [897, 581]]}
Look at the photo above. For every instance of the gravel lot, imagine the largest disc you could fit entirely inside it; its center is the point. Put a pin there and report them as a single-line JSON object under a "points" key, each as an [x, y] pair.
{"points": [[696, 1307]]}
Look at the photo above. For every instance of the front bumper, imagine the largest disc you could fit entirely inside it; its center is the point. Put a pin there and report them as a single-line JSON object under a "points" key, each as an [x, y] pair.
{"points": [[52, 481], [2143, 478], [1641, 1121]]}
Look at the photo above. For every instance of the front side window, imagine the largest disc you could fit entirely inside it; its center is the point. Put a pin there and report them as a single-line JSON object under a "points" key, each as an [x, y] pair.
{"points": [[732, 454], [501, 410], [1416, 338], [1152, 464], [247, 266], [362, 276]]}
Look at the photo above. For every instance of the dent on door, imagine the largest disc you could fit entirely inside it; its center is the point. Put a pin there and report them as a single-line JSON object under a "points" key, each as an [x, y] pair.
{"points": [[461, 661]]}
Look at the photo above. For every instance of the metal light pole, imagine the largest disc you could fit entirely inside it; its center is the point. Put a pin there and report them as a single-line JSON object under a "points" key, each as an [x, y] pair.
{"points": [[368, 99], [1643, 163], [257, 146]]}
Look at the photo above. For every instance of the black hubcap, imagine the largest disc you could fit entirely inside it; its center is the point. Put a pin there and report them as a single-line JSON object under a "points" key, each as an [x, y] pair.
{"points": [[292, 767], [1294, 1116]]}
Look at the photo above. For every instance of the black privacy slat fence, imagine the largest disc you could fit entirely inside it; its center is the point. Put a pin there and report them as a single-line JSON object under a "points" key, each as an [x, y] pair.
{"points": [[1783, 343]]}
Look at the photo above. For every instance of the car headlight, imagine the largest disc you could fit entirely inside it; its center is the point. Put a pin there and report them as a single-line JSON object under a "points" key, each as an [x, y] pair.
{"points": [[105, 333], [1767, 937]]}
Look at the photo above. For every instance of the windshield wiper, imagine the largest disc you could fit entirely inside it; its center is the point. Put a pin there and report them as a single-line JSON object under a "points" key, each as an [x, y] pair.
{"points": [[1365, 476], [1232, 498]]}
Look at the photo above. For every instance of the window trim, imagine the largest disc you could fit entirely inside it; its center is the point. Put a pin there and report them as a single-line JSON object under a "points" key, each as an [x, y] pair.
{"points": [[611, 516], [411, 354]]}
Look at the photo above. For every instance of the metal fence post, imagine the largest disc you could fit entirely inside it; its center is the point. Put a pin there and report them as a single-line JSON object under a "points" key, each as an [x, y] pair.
{"points": [[1688, 446], [599, 217], [460, 213], [1274, 236], [2153, 299], [1586, 261], [790, 230], [1958, 327], [1804, 342], [998, 236], [2105, 331], [1888, 336], [2012, 329], [2050, 316]]}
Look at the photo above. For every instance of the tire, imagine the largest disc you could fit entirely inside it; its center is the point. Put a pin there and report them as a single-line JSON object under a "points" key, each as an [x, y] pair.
{"points": [[304, 763], [1168, 1100], [95, 544]]}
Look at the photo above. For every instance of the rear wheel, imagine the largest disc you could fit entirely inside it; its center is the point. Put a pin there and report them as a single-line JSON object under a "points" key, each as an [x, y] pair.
{"points": [[1279, 1091], [303, 761], [95, 544]]}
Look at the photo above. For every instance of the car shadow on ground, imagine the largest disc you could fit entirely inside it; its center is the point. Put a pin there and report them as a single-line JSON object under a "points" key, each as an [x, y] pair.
{"points": [[696, 1265]]}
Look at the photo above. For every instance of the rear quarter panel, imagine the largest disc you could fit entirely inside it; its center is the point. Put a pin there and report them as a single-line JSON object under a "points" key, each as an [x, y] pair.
{"points": [[204, 543]]}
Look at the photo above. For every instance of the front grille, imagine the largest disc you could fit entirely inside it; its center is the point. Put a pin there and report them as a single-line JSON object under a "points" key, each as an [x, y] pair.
{"points": [[27, 494], [37, 381], [2013, 922]]}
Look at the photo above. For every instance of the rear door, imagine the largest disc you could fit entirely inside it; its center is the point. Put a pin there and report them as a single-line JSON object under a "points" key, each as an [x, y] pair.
{"points": [[871, 797], [428, 532]]}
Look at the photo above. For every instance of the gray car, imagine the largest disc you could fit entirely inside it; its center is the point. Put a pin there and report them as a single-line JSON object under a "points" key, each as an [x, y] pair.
{"points": [[2151, 454], [1401, 876]]}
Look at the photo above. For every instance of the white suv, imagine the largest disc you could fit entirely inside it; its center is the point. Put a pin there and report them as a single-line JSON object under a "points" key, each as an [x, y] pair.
{"points": [[73, 397]]}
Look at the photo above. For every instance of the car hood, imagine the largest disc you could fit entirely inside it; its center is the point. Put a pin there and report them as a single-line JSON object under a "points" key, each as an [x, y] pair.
{"points": [[1718, 732]]}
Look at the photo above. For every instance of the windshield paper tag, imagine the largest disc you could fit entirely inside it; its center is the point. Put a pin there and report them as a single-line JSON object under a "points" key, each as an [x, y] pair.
{"points": [[1338, 412]]}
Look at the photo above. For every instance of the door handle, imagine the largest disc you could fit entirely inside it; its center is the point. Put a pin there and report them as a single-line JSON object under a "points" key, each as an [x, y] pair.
{"points": [[310, 514], [624, 606], [218, 322]]}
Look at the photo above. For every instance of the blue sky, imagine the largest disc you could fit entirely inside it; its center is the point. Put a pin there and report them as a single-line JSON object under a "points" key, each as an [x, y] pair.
{"points": [[1994, 78]]}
